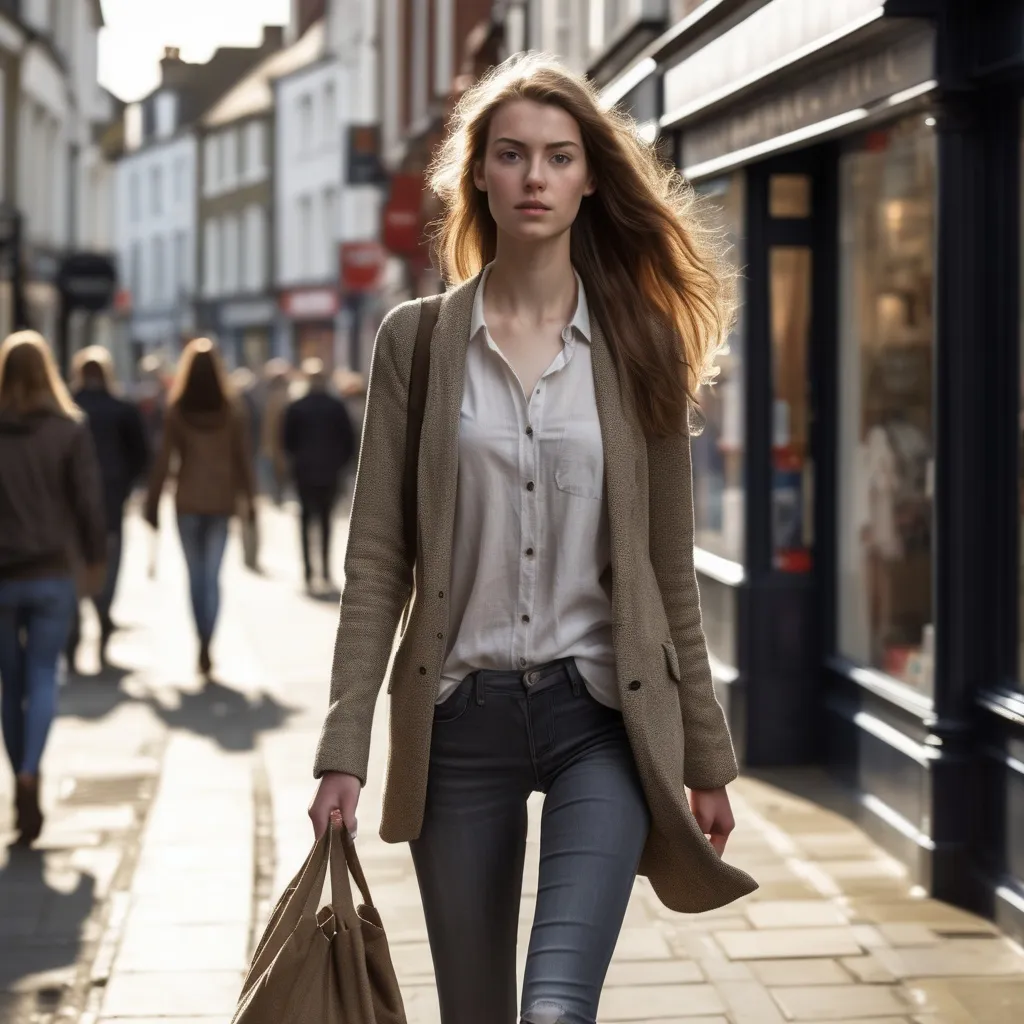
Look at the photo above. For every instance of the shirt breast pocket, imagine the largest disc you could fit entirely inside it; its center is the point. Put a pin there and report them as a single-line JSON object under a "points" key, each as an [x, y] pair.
{"points": [[580, 477]]}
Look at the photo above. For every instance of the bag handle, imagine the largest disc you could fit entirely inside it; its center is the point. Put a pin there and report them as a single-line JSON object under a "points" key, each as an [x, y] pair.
{"points": [[419, 375], [345, 861], [307, 888]]}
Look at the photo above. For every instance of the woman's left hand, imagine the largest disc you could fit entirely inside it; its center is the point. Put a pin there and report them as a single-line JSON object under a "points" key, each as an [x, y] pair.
{"points": [[713, 812]]}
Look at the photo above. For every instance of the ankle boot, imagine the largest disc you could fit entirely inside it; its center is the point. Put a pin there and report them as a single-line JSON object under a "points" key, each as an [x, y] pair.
{"points": [[30, 815], [205, 664]]}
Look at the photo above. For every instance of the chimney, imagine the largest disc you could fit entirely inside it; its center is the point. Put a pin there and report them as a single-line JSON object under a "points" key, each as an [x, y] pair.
{"points": [[273, 37], [172, 53]]}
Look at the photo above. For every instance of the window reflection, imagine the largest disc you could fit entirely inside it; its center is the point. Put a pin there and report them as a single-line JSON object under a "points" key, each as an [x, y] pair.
{"points": [[886, 417], [792, 473], [718, 459]]}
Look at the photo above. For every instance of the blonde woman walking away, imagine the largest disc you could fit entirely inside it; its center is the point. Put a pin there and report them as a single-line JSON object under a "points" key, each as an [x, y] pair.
{"points": [[52, 521], [206, 431], [552, 641]]}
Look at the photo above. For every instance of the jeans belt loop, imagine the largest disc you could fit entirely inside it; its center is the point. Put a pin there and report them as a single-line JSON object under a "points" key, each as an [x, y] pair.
{"points": [[478, 688]]}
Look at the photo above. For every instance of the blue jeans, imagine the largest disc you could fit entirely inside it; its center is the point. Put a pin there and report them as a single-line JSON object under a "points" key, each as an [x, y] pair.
{"points": [[204, 539], [499, 737], [35, 617]]}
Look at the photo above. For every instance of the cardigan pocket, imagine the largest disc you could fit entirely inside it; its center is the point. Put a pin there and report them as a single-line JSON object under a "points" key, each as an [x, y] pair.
{"points": [[672, 660]]}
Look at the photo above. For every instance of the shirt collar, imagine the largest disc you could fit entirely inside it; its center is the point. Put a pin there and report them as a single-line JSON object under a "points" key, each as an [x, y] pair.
{"points": [[580, 319]]}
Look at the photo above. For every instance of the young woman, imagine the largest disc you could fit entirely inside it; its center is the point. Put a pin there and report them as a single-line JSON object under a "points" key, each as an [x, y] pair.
{"points": [[206, 430], [553, 641], [52, 523]]}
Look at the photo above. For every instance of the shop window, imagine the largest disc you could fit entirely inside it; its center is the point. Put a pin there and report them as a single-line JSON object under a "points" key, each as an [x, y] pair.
{"points": [[792, 470], [718, 458], [886, 430], [789, 196]]}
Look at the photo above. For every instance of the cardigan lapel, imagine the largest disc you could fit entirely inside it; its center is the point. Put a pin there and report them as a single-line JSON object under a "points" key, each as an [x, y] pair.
{"points": [[618, 435], [438, 472]]}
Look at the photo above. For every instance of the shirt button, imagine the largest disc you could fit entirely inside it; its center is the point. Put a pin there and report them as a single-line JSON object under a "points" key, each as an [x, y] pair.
{"points": [[529, 486], [526, 618], [635, 685], [529, 431], [529, 552]]}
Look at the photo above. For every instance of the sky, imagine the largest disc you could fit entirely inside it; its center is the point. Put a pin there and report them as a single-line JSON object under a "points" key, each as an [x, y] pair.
{"points": [[137, 31]]}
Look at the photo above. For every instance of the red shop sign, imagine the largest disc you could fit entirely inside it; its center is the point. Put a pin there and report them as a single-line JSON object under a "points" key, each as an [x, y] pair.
{"points": [[403, 215], [361, 266]]}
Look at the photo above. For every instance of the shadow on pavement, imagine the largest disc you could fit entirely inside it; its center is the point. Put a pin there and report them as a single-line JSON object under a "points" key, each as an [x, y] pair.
{"points": [[94, 696], [40, 934], [231, 718]]}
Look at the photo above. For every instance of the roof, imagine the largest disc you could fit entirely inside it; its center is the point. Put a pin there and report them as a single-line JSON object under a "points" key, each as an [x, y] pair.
{"points": [[254, 94]]}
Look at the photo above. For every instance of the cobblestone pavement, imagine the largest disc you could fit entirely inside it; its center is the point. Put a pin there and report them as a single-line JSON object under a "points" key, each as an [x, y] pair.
{"points": [[178, 813]]}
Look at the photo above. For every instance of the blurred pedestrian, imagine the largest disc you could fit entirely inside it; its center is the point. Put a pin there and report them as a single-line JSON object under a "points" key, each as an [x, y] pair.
{"points": [[277, 380], [319, 440], [151, 396], [544, 579], [52, 524], [206, 432], [120, 439]]}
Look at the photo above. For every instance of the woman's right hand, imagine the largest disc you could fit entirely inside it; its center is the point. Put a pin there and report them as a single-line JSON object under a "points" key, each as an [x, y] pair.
{"points": [[336, 792]]}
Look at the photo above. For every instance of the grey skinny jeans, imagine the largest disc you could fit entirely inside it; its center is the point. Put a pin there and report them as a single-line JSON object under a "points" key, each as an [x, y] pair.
{"points": [[499, 737]]}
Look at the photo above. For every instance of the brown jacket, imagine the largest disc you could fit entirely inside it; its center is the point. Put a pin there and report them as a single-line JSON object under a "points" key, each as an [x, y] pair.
{"points": [[214, 463], [675, 725], [51, 497]]}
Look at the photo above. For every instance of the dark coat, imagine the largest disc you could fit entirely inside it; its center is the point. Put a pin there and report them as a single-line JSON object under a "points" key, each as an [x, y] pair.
{"points": [[319, 439], [51, 497], [121, 445]]}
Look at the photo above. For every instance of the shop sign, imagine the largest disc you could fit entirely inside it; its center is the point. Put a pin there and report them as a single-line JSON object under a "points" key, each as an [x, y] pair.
{"points": [[902, 64], [361, 266], [310, 303], [779, 32], [362, 150], [247, 313], [403, 215], [87, 280]]}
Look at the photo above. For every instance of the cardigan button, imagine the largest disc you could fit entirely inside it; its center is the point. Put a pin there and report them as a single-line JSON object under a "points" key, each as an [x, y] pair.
{"points": [[635, 685], [423, 670], [440, 593]]}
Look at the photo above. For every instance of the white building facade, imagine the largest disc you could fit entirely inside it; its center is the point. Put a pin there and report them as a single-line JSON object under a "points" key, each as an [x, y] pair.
{"points": [[52, 170], [327, 215], [156, 228]]}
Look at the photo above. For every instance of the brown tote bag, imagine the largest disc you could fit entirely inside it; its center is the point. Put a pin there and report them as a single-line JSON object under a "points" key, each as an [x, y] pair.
{"points": [[323, 965]]}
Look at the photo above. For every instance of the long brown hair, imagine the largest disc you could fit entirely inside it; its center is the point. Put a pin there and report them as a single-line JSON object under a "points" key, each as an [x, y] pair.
{"points": [[655, 275], [200, 385], [29, 380]]}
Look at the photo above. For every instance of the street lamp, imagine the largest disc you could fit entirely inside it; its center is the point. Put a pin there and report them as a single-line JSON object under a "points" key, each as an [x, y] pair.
{"points": [[10, 249]]}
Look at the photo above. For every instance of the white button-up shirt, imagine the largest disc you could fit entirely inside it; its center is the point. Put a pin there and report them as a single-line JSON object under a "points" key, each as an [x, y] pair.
{"points": [[531, 560]]}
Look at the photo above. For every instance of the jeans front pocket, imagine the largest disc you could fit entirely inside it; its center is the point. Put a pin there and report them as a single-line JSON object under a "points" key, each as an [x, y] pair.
{"points": [[453, 707]]}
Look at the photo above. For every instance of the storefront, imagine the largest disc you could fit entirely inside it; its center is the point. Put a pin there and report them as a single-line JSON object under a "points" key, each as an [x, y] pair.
{"points": [[244, 328], [312, 314], [859, 496]]}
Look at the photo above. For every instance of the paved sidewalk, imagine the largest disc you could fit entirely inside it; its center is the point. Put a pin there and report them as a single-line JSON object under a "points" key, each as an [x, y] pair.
{"points": [[179, 814]]}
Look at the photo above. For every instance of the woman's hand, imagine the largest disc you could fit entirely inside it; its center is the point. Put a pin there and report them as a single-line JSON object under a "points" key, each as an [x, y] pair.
{"points": [[336, 792], [714, 815], [92, 579]]}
